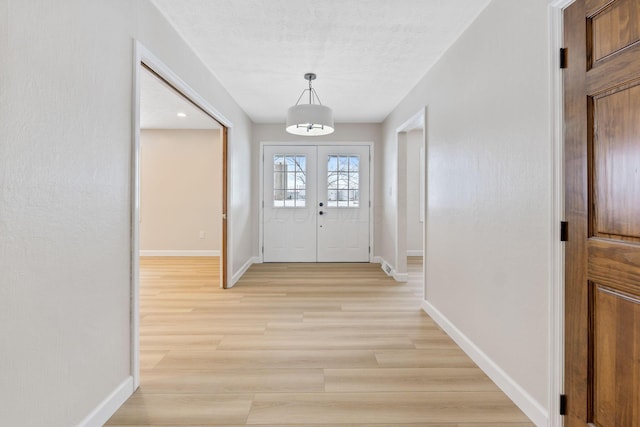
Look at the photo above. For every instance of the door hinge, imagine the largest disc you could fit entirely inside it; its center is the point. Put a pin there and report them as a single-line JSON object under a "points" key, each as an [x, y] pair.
{"points": [[263, 250], [563, 57], [564, 231], [369, 249], [563, 404]]}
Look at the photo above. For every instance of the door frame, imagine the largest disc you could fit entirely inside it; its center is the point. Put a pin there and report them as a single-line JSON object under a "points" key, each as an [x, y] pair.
{"points": [[417, 121], [372, 192], [143, 57], [556, 280]]}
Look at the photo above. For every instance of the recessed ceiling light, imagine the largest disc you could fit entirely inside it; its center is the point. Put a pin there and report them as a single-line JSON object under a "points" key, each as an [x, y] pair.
{"points": [[182, 115]]}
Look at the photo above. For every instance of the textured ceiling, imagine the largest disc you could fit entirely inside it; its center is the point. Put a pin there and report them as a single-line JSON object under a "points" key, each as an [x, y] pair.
{"points": [[368, 54]]}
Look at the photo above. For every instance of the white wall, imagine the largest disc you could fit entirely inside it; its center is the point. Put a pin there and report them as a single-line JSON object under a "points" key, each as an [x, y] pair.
{"points": [[415, 142], [489, 186], [180, 192], [65, 190], [345, 132]]}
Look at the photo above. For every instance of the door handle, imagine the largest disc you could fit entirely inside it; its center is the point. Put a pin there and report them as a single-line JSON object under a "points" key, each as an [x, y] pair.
{"points": [[321, 213], [321, 204]]}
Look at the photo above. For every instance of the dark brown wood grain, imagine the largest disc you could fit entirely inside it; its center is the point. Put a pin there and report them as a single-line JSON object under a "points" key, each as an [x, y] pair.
{"points": [[592, 7], [621, 67], [616, 164], [614, 264], [576, 197], [616, 371], [223, 263], [614, 27], [602, 202]]}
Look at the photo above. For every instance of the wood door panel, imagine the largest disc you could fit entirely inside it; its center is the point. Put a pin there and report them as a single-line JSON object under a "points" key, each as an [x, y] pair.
{"points": [[602, 206], [616, 352], [613, 28], [616, 165], [614, 264], [614, 71], [593, 6]]}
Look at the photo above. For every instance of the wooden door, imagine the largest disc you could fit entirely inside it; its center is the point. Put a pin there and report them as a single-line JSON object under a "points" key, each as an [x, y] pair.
{"points": [[224, 284], [602, 164]]}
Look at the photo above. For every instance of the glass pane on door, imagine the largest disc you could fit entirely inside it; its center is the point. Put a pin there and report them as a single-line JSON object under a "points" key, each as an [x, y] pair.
{"points": [[343, 180], [289, 181]]}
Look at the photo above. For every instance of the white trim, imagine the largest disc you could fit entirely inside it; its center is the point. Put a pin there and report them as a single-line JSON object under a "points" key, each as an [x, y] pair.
{"points": [[319, 143], [400, 190], [532, 408], [425, 192], [400, 277], [415, 122], [159, 67], [556, 250], [143, 55], [371, 146], [372, 199], [415, 252], [561, 4], [261, 203], [101, 413], [138, 52], [179, 253], [242, 270]]}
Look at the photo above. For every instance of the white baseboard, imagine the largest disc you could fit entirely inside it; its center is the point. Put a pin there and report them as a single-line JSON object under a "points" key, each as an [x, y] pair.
{"points": [[390, 271], [101, 414], [532, 409], [180, 253], [401, 277], [417, 252], [243, 269]]}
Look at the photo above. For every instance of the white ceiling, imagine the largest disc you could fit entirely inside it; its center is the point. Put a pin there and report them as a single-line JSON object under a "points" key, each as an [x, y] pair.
{"points": [[160, 105], [368, 54]]}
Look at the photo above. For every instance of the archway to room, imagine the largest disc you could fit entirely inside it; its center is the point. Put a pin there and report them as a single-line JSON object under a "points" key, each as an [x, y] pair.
{"points": [[411, 195], [179, 201]]}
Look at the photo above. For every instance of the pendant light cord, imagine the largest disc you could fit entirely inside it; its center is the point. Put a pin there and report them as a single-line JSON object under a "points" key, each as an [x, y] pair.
{"points": [[312, 94]]}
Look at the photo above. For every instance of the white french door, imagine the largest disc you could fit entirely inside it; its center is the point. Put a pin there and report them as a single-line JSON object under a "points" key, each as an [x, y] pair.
{"points": [[316, 203]]}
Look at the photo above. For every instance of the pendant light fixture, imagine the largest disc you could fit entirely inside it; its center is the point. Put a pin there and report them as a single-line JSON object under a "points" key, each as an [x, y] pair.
{"points": [[310, 119]]}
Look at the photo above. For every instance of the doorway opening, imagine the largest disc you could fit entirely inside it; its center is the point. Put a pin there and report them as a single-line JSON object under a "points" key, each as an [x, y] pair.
{"points": [[179, 185], [411, 196], [180, 175]]}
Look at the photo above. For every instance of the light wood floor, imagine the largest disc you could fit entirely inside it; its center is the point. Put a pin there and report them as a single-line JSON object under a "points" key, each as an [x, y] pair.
{"points": [[300, 345]]}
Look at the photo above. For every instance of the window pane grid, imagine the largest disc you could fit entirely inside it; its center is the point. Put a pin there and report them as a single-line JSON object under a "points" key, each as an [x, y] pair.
{"points": [[289, 181], [343, 181]]}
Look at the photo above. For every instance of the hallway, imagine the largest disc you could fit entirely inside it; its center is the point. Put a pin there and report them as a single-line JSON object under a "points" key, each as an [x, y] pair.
{"points": [[300, 344]]}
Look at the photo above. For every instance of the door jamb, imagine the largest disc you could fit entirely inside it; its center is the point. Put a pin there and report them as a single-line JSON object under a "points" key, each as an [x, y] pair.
{"points": [[557, 261], [415, 122], [370, 144], [144, 57]]}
